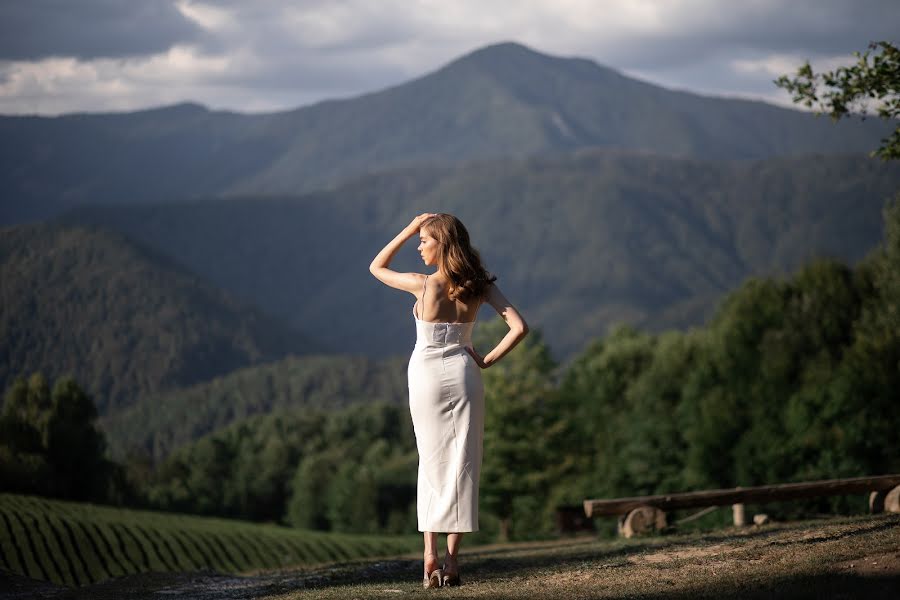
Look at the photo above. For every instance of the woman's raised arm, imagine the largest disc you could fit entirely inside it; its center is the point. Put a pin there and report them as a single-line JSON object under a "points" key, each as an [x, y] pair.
{"points": [[410, 282]]}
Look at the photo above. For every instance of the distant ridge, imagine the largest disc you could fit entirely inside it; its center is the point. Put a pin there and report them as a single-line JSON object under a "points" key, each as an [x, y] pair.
{"points": [[501, 101]]}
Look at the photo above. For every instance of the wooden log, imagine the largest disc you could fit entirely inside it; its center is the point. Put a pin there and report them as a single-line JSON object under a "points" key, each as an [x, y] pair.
{"points": [[892, 501], [643, 519], [760, 494], [737, 511]]}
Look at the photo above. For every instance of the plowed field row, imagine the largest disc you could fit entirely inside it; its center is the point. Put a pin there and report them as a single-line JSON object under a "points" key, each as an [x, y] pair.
{"points": [[75, 544]]}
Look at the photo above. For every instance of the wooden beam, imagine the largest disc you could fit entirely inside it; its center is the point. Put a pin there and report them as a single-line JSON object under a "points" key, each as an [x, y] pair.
{"points": [[748, 495]]}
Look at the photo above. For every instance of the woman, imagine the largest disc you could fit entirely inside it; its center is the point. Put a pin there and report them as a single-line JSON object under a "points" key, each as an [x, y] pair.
{"points": [[446, 395]]}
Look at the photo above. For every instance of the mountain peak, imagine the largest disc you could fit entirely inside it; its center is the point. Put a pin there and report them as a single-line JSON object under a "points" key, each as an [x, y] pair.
{"points": [[508, 48], [515, 59], [503, 53]]}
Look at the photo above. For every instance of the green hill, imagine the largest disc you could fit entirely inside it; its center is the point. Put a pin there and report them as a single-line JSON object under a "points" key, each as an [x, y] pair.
{"points": [[160, 423], [504, 100], [579, 242], [75, 544], [122, 319]]}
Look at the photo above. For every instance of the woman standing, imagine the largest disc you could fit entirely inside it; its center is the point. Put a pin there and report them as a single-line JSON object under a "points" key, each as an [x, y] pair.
{"points": [[446, 395]]}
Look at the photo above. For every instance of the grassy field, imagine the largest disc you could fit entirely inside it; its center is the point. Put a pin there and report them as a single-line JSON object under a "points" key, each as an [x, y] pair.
{"points": [[74, 544]]}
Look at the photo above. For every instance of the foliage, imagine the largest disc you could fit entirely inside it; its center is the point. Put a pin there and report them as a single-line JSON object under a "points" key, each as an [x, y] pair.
{"points": [[594, 391], [341, 470], [157, 424], [50, 446], [874, 77], [520, 440]]}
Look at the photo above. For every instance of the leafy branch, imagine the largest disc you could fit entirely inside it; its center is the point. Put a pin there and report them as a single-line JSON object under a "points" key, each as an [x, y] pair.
{"points": [[847, 90]]}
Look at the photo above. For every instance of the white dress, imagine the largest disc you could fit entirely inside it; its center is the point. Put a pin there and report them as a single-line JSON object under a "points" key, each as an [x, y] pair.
{"points": [[446, 401]]}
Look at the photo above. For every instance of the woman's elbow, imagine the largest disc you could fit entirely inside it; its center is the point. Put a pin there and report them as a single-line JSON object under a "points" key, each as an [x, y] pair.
{"points": [[522, 329]]}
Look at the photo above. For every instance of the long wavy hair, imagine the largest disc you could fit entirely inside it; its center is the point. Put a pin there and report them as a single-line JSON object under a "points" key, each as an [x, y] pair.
{"points": [[457, 258]]}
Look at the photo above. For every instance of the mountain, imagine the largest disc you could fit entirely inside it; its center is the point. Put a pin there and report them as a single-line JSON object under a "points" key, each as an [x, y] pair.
{"points": [[122, 319], [579, 242], [504, 100]]}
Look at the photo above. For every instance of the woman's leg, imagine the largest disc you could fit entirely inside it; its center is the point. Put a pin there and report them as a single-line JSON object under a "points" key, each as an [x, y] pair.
{"points": [[431, 561], [451, 564]]}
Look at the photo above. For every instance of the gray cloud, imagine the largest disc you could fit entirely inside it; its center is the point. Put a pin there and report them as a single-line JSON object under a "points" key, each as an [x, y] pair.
{"points": [[694, 31], [34, 29], [270, 54]]}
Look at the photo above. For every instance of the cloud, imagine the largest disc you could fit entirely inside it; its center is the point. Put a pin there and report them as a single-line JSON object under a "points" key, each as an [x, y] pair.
{"points": [[87, 29], [272, 54]]}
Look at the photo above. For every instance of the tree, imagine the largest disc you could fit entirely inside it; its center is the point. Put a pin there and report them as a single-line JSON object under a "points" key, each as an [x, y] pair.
{"points": [[352, 499], [724, 394], [49, 444], [74, 446], [858, 411], [308, 505], [519, 431], [871, 367], [23, 462], [875, 76], [650, 455], [593, 395]]}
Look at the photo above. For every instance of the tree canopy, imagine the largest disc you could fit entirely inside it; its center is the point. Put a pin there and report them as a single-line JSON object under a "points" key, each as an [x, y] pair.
{"points": [[49, 444]]}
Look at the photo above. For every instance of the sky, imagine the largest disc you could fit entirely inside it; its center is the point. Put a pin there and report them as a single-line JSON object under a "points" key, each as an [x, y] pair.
{"points": [[61, 56]]}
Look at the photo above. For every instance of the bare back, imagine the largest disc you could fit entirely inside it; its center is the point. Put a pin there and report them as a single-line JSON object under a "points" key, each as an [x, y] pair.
{"points": [[435, 306]]}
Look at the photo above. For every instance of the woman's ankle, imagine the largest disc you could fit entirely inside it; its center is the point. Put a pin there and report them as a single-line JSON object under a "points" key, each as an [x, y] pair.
{"points": [[451, 563], [431, 562]]}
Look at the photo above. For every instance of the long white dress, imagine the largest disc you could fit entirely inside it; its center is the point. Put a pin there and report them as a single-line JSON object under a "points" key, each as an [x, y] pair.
{"points": [[446, 401]]}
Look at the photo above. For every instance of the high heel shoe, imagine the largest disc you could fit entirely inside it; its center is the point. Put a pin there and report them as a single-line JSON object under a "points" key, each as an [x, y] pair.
{"points": [[450, 579], [434, 580]]}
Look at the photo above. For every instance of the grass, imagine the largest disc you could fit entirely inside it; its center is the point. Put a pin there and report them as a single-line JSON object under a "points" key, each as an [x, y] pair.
{"points": [[75, 544]]}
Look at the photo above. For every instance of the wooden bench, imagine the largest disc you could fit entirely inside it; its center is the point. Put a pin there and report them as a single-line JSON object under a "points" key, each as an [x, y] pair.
{"points": [[645, 513]]}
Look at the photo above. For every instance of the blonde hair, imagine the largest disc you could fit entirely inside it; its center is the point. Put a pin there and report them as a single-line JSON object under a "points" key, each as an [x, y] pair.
{"points": [[457, 259]]}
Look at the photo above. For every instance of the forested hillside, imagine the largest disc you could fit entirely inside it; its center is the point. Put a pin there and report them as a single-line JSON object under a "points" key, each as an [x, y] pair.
{"points": [[504, 100], [348, 470], [159, 423], [579, 243], [122, 319]]}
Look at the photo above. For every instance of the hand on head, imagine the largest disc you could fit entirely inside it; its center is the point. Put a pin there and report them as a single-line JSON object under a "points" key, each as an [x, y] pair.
{"points": [[416, 223]]}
